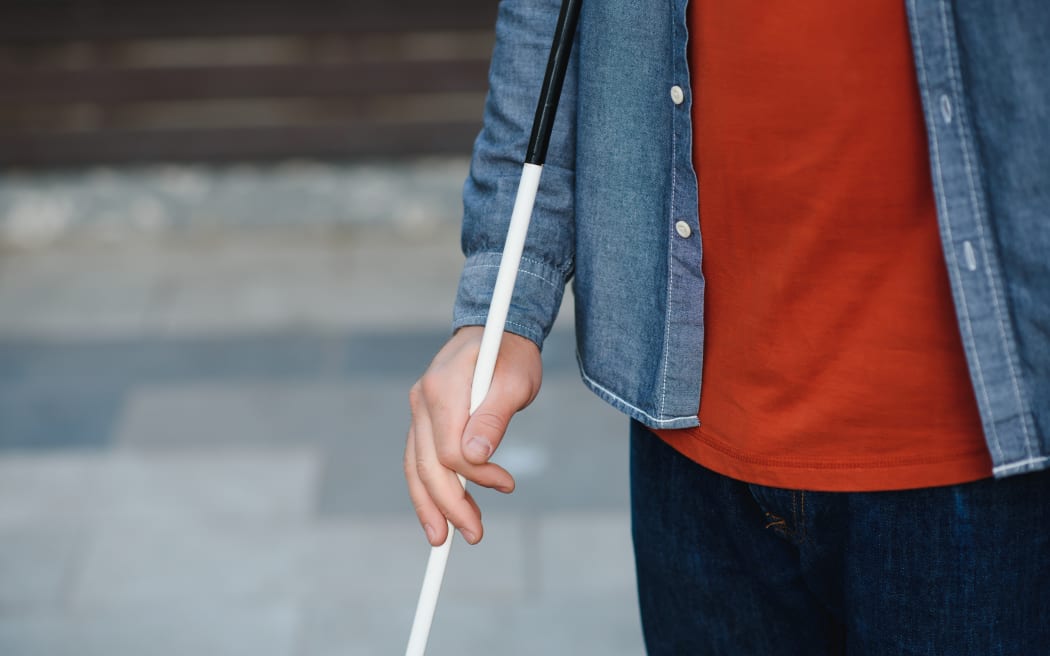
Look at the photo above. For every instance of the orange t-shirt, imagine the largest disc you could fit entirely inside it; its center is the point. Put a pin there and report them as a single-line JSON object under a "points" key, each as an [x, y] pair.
{"points": [[832, 357]]}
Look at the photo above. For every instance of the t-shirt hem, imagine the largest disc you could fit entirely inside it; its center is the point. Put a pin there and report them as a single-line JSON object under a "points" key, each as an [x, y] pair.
{"points": [[828, 476]]}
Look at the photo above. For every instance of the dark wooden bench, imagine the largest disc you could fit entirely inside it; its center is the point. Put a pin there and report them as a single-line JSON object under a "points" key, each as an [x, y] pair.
{"points": [[85, 81]]}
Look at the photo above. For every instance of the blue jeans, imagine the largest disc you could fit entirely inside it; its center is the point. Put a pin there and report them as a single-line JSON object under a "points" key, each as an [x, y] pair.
{"points": [[725, 567]]}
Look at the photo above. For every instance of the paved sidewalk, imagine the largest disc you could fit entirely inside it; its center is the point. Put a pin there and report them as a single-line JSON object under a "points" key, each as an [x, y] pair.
{"points": [[200, 443]]}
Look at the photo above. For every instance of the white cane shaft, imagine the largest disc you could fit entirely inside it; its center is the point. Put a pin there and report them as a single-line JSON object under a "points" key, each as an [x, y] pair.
{"points": [[428, 596], [483, 370], [505, 279]]}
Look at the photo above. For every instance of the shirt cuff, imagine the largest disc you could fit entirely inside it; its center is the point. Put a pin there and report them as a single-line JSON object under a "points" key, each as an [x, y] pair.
{"points": [[534, 304]]}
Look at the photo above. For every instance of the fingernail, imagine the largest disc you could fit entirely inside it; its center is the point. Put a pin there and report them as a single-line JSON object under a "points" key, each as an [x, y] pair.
{"points": [[479, 447], [469, 536], [429, 530]]}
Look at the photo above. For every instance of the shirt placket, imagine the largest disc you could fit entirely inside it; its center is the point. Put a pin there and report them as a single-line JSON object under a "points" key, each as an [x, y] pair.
{"points": [[970, 254]]}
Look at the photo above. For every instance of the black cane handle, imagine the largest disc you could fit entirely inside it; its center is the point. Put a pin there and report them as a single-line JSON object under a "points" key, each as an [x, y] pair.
{"points": [[552, 82]]}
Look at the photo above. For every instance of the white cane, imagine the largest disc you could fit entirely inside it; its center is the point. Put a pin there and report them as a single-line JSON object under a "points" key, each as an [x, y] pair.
{"points": [[504, 289]]}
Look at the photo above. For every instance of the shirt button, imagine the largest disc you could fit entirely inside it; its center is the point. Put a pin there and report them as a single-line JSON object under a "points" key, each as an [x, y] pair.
{"points": [[683, 229], [970, 255], [677, 95]]}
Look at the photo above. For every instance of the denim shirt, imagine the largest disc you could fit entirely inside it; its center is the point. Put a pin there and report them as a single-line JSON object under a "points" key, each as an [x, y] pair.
{"points": [[619, 177]]}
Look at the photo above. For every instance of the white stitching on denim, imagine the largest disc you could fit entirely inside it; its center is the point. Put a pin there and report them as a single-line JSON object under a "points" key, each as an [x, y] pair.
{"points": [[524, 272], [604, 390], [1024, 464], [670, 249], [473, 317], [934, 145], [975, 198], [498, 255], [543, 265]]}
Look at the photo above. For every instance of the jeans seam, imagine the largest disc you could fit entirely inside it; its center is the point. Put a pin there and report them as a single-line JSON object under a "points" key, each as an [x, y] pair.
{"points": [[801, 528], [794, 511]]}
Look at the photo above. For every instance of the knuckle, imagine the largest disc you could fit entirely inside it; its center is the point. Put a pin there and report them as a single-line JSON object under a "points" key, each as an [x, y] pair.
{"points": [[415, 395], [407, 462], [430, 385], [448, 455], [424, 469]]}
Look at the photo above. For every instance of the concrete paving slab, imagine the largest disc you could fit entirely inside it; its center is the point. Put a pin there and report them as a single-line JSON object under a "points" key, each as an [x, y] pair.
{"points": [[355, 280], [210, 486], [36, 566], [232, 283], [584, 555], [354, 629], [477, 628], [602, 625], [74, 413], [382, 560], [259, 298], [93, 294], [251, 412], [363, 422], [41, 208], [164, 630], [229, 565], [392, 353], [361, 426], [46, 490], [171, 489], [137, 360]]}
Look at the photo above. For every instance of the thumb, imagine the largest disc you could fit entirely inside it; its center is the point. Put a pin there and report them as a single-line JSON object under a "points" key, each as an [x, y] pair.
{"points": [[485, 428], [515, 384]]}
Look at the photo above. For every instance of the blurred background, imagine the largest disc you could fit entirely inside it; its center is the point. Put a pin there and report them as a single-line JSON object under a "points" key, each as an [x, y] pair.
{"points": [[228, 245]]}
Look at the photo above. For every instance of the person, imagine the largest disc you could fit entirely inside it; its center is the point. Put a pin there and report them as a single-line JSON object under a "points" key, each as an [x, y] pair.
{"points": [[836, 217]]}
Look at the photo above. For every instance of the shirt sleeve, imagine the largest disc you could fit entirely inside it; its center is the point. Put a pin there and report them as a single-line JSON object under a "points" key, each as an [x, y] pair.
{"points": [[524, 30]]}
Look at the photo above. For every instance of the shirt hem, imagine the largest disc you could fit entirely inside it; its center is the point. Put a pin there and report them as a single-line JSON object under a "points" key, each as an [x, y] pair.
{"points": [[829, 476]]}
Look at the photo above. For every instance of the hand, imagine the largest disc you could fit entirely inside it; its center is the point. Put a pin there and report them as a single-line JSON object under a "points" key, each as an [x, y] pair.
{"points": [[445, 439]]}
